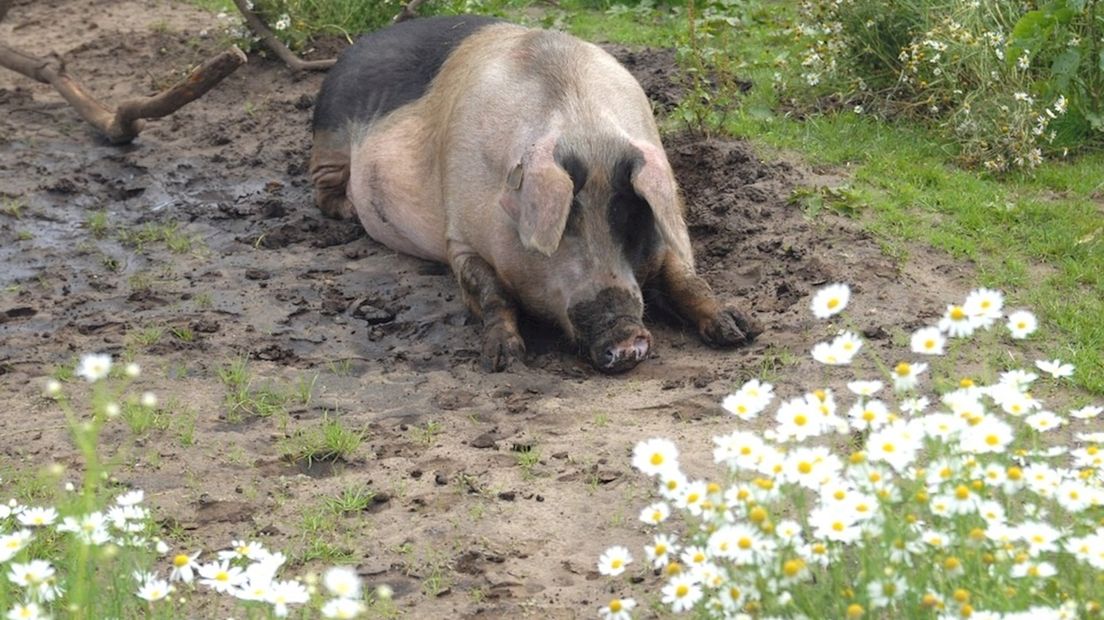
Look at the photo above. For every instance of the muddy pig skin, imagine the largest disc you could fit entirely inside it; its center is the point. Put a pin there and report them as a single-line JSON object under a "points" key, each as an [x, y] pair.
{"points": [[530, 162]]}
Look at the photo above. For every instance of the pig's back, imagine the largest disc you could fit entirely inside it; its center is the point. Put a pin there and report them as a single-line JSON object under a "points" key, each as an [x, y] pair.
{"points": [[387, 69]]}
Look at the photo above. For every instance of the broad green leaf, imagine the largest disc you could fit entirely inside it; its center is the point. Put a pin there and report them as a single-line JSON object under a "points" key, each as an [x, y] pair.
{"points": [[1065, 67]]}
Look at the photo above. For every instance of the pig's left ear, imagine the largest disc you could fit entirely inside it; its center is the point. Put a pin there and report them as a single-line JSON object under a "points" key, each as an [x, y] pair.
{"points": [[654, 181], [538, 197]]}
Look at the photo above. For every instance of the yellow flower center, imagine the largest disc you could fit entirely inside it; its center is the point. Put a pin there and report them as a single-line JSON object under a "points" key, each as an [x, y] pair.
{"points": [[660, 549], [929, 344], [888, 447], [222, 576], [180, 560], [657, 459], [616, 563], [792, 567], [903, 369], [868, 415], [615, 605], [692, 498], [957, 313], [833, 302], [804, 467], [992, 439], [838, 526], [961, 492], [800, 420], [744, 543], [839, 494], [682, 590]]}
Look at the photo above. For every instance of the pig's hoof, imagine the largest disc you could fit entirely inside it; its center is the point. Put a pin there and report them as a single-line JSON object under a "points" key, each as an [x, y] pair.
{"points": [[501, 347], [729, 328]]}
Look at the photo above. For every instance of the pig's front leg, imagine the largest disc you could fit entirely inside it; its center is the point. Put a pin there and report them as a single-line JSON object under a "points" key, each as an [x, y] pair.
{"points": [[719, 324], [488, 300]]}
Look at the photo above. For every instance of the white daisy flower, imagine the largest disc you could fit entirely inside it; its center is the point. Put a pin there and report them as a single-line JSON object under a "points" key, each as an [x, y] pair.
{"points": [[928, 341], [613, 561], [34, 516], [154, 590], [655, 456], [681, 593], [984, 306], [1055, 368], [342, 581], [956, 323], [1087, 412], [656, 513], [94, 366], [865, 388], [830, 300], [906, 376], [1022, 324]]}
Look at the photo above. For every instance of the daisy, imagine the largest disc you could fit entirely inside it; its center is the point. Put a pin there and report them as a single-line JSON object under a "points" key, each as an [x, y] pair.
{"points": [[618, 609], [834, 524], [240, 549], [184, 567], [928, 341], [1039, 536], [1055, 368], [865, 388], [1022, 324], [284, 593], [1074, 496], [655, 456], [1044, 421], [956, 323], [740, 543], [884, 593], [154, 590], [661, 550], [613, 561], [27, 611], [749, 400], [984, 306], [914, 406], [797, 420], [989, 435], [681, 593], [220, 576], [13, 543], [830, 300], [342, 581], [692, 497], [38, 517], [739, 450], [343, 608], [1086, 412], [655, 514], [906, 376], [870, 415], [896, 444], [94, 366]]}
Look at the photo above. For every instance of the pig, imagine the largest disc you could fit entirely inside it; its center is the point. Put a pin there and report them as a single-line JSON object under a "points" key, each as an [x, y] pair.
{"points": [[527, 160]]}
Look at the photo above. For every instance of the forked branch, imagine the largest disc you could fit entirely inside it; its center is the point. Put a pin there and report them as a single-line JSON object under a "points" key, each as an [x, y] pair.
{"points": [[124, 123], [409, 11], [259, 28]]}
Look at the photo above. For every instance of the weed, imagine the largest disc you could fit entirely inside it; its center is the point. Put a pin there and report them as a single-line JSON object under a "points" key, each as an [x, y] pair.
{"points": [[304, 389], [329, 441], [12, 207], [351, 499], [183, 334], [341, 368], [24, 235], [96, 223], [111, 263], [427, 433], [204, 300], [142, 419], [527, 460], [145, 337]]}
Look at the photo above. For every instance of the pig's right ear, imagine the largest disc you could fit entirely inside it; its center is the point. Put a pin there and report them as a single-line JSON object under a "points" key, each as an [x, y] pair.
{"points": [[538, 197]]}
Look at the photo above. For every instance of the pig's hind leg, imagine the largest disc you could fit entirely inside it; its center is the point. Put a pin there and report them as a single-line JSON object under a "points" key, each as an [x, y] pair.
{"points": [[719, 324], [489, 300], [329, 172]]}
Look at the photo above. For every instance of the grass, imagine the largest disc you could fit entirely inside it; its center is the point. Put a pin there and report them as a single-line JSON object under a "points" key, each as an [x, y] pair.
{"points": [[328, 441], [351, 500], [242, 399], [169, 233]]}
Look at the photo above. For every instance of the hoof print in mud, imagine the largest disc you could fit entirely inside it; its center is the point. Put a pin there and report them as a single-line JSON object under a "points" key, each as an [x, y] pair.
{"points": [[501, 347], [730, 328]]}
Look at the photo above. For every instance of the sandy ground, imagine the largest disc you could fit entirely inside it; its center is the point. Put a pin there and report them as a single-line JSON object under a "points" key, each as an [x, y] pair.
{"points": [[458, 527]]}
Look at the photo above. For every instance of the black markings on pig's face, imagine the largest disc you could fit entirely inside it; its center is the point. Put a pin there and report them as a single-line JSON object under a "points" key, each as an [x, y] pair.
{"points": [[631, 220]]}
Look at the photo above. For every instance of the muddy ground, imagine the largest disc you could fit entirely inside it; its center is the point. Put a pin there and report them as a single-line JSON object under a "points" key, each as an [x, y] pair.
{"points": [[213, 252]]}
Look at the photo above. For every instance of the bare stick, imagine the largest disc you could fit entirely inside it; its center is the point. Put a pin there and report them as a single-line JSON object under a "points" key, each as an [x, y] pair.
{"points": [[409, 11], [261, 30], [125, 123]]}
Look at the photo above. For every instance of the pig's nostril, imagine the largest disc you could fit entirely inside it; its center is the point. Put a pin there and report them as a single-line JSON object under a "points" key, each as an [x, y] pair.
{"points": [[610, 356]]}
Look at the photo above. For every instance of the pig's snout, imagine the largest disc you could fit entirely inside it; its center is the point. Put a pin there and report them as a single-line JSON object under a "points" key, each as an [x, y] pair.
{"points": [[622, 352], [609, 328]]}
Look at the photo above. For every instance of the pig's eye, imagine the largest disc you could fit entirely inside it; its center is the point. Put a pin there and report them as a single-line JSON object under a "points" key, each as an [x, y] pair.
{"points": [[632, 225]]}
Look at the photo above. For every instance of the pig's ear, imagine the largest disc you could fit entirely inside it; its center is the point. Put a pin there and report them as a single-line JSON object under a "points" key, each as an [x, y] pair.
{"points": [[538, 197], [653, 181]]}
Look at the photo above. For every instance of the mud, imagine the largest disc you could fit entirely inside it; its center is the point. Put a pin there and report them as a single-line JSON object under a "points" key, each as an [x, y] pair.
{"points": [[212, 239]]}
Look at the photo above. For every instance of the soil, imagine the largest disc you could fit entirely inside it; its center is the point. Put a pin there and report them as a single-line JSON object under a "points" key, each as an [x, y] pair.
{"points": [[458, 526]]}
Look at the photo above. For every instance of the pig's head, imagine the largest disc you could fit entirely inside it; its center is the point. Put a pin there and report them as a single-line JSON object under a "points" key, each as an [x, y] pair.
{"points": [[594, 215]]}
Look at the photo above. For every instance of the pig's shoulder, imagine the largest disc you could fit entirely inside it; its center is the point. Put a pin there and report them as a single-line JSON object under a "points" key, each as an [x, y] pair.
{"points": [[389, 68]]}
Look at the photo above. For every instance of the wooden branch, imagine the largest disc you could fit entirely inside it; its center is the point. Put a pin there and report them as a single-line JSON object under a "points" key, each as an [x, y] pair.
{"points": [[276, 45], [409, 11], [124, 124]]}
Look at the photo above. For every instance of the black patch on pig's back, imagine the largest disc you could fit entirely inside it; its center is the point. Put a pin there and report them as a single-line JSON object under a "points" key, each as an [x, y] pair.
{"points": [[389, 68]]}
